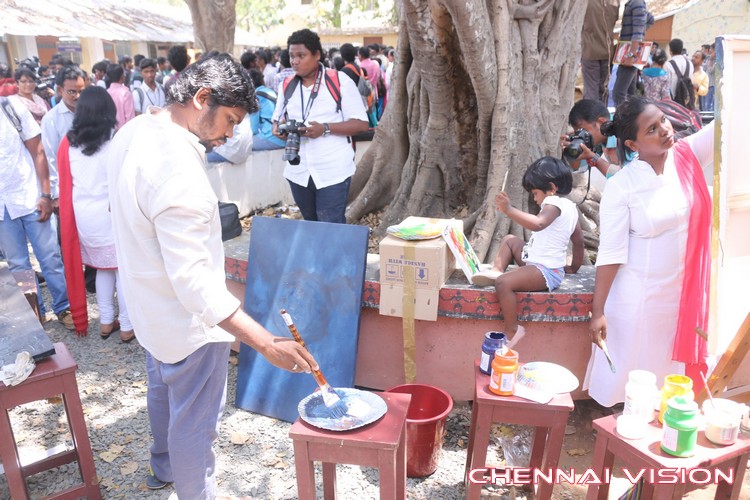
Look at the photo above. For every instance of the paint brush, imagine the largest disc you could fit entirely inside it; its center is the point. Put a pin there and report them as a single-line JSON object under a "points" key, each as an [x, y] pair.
{"points": [[603, 346], [332, 400], [708, 389]]}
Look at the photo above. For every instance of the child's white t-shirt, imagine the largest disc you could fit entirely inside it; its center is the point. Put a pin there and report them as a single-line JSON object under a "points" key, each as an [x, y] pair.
{"points": [[549, 247]]}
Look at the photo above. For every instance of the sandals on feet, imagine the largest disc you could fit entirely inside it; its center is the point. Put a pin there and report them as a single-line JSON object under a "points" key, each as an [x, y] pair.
{"points": [[111, 328], [127, 336]]}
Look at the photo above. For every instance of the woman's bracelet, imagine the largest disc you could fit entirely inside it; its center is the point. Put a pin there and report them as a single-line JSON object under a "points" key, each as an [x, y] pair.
{"points": [[598, 157]]}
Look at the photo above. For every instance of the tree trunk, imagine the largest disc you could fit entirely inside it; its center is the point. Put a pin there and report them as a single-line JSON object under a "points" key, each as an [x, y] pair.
{"points": [[481, 88], [213, 24]]}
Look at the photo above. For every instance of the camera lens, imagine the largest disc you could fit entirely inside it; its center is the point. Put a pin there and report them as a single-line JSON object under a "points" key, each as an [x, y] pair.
{"points": [[574, 150]]}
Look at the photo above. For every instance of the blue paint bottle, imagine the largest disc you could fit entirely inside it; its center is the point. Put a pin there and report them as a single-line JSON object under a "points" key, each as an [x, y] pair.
{"points": [[492, 342]]}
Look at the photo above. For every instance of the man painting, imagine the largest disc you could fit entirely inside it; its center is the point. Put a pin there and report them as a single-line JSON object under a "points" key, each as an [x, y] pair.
{"points": [[168, 239]]}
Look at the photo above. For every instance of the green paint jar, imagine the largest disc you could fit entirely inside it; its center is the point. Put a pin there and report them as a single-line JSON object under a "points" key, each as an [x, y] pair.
{"points": [[680, 427]]}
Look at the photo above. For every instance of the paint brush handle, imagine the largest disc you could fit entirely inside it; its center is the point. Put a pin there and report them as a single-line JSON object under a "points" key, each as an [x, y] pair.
{"points": [[319, 378]]}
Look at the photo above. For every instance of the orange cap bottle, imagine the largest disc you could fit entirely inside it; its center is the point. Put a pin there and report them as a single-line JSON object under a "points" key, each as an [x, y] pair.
{"points": [[504, 369]]}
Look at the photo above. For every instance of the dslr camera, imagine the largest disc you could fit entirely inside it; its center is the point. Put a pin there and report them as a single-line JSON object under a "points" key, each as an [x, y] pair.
{"points": [[577, 139], [291, 148]]}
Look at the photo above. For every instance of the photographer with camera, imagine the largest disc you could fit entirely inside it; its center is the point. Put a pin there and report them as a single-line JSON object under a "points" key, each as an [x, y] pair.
{"points": [[588, 144], [316, 112]]}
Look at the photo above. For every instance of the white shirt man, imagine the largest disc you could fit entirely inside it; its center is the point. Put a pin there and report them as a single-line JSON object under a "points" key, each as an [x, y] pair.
{"points": [[149, 93], [682, 61]]}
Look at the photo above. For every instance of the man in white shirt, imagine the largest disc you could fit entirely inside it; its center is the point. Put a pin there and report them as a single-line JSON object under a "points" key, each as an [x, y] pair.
{"points": [[70, 82], [149, 93], [26, 205], [168, 239], [681, 60]]}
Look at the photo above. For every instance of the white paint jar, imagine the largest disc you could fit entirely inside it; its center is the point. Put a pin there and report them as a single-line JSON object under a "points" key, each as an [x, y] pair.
{"points": [[723, 418]]}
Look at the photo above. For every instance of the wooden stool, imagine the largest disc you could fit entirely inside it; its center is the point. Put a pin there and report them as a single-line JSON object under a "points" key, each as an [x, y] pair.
{"points": [[646, 452], [548, 419], [53, 376], [381, 444]]}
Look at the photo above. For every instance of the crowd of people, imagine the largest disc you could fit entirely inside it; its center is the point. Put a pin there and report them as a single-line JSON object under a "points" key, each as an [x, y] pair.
{"points": [[662, 75]]}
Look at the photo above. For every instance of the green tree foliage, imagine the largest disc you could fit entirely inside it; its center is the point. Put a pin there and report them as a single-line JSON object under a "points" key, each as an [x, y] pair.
{"points": [[330, 12], [259, 15]]}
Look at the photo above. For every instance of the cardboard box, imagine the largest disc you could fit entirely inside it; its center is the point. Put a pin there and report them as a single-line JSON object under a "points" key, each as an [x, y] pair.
{"points": [[414, 270]]}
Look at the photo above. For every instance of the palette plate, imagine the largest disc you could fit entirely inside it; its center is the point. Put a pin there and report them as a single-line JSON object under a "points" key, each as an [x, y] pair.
{"points": [[547, 377], [363, 408]]}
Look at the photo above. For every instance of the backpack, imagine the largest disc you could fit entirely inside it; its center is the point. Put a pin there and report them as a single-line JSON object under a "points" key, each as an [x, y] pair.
{"points": [[332, 83], [684, 93], [684, 121], [365, 87], [11, 113], [142, 96], [266, 95]]}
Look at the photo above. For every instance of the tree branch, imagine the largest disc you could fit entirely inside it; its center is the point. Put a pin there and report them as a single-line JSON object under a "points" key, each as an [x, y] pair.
{"points": [[532, 12]]}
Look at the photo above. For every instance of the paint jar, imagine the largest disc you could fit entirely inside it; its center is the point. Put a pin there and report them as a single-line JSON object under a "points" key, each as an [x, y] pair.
{"points": [[504, 370], [640, 392], [745, 425], [680, 427], [492, 342], [723, 417], [674, 385], [631, 426]]}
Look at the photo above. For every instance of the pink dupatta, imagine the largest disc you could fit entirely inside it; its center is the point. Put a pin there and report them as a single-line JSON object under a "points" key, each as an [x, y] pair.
{"points": [[689, 348]]}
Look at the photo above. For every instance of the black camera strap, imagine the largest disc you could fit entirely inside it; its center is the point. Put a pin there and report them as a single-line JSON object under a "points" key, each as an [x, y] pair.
{"points": [[313, 94], [588, 183]]}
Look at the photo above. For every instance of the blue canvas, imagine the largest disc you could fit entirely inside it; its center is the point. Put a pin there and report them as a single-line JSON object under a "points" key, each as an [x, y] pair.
{"points": [[316, 271]]}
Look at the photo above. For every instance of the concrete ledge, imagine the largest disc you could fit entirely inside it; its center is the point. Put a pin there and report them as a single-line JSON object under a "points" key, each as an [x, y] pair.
{"points": [[257, 183]]}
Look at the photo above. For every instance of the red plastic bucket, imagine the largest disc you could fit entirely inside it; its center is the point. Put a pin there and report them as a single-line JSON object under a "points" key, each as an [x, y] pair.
{"points": [[425, 427]]}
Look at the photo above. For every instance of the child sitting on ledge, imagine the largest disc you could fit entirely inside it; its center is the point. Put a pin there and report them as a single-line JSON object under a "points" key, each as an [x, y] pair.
{"points": [[541, 261]]}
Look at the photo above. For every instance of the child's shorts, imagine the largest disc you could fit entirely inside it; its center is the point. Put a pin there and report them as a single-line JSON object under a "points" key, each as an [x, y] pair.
{"points": [[553, 277]]}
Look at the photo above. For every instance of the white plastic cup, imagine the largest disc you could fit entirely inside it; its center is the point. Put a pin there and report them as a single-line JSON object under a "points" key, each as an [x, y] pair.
{"points": [[723, 418], [631, 426]]}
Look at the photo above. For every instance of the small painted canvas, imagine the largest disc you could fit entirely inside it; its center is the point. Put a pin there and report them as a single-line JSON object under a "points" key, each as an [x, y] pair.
{"points": [[465, 256]]}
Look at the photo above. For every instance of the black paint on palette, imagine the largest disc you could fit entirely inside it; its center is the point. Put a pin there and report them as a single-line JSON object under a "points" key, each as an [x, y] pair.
{"points": [[19, 327]]}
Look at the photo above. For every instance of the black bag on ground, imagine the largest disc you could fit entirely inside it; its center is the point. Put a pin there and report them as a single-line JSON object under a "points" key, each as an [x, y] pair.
{"points": [[684, 94], [230, 221]]}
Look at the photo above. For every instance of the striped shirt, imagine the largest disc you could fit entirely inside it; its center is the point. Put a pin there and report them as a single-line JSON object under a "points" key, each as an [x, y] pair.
{"points": [[634, 21]]}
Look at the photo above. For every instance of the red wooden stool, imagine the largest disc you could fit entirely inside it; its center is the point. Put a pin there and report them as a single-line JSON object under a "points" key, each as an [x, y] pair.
{"points": [[381, 445], [646, 453], [548, 419], [53, 376]]}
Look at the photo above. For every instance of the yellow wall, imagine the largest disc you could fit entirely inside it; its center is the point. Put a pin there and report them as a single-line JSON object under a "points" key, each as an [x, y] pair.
{"points": [[707, 19], [389, 39]]}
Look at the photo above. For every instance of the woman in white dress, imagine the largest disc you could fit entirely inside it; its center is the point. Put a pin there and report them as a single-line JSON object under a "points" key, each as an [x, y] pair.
{"points": [[653, 263], [85, 220]]}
